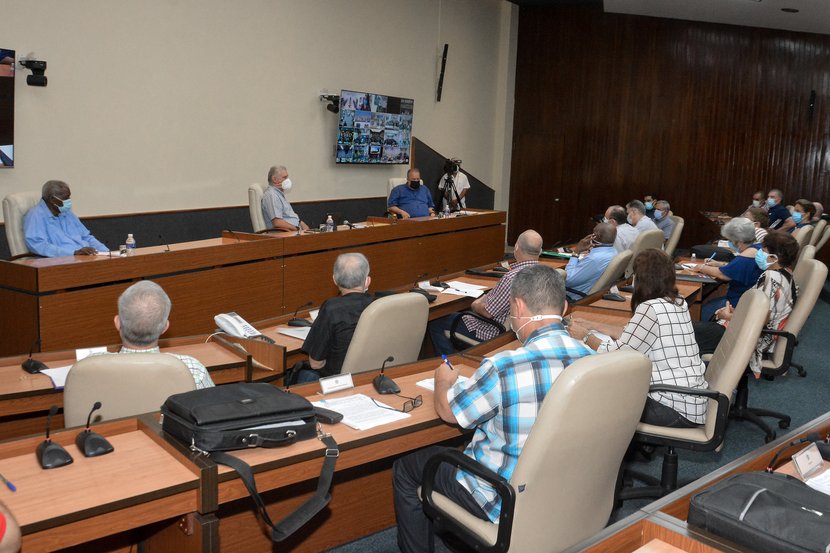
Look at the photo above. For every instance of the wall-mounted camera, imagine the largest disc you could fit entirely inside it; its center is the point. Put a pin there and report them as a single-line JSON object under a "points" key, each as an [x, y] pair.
{"points": [[38, 68], [333, 101]]}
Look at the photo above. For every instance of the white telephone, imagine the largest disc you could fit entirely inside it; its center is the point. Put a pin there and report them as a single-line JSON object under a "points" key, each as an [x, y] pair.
{"points": [[235, 325]]}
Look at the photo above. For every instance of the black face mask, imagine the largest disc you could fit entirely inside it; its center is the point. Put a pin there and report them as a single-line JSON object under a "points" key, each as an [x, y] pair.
{"points": [[414, 184]]}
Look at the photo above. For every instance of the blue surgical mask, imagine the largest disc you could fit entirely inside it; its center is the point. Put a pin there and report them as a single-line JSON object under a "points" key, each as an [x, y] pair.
{"points": [[733, 247], [771, 202], [797, 216], [762, 259], [658, 215], [66, 207], [649, 205]]}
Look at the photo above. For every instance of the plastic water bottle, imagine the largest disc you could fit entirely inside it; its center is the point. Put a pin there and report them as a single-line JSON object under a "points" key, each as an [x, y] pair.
{"points": [[694, 257], [329, 224], [130, 244], [446, 210]]}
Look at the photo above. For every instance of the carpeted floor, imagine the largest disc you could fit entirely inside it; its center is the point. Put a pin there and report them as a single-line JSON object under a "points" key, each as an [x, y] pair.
{"points": [[802, 398]]}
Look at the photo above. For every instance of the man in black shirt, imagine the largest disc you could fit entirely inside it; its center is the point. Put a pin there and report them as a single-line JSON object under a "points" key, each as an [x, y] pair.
{"points": [[330, 335]]}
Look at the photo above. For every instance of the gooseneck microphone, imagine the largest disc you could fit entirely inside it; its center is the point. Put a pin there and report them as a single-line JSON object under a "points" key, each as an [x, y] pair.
{"points": [[418, 290], [91, 443], [232, 233], [296, 321], [437, 282], [49, 454], [382, 383], [166, 245], [811, 437], [30, 365]]}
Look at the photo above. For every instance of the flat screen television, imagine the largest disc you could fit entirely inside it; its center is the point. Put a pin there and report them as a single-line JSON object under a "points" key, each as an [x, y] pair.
{"points": [[7, 59], [374, 128]]}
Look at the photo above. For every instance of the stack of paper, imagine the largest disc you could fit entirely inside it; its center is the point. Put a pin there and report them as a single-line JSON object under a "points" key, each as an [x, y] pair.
{"points": [[360, 412], [458, 288], [299, 332]]}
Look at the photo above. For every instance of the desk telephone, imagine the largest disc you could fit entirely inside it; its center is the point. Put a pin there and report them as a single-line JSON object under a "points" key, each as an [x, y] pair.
{"points": [[233, 324]]}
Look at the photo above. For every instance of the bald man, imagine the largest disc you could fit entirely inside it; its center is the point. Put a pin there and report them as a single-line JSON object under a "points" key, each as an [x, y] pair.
{"points": [[584, 270], [493, 305]]}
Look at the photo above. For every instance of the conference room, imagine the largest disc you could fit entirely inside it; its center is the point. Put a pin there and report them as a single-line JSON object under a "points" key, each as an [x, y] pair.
{"points": [[557, 110]]}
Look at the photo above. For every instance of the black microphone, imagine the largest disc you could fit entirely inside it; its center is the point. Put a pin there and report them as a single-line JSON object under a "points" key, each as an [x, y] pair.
{"points": [[166, 245], [437, 282], [295, 321], [232, 233], [811, 437], [418, 290], [49, 454], [91, 443], [382, 383], [33, 366]]}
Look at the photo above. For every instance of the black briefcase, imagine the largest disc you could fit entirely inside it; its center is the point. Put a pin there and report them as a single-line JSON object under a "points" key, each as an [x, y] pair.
{"points": [[768, 512], [237, 416]]}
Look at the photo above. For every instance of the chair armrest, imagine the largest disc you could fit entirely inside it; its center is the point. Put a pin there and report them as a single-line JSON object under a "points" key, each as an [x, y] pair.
{"points": [[575, 292], [503, 489], [791, 341], [721, 417], [460, 345]]}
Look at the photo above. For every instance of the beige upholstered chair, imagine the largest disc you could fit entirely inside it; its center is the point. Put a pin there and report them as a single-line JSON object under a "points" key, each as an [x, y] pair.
{"points": [[806, 252], [611, 275], [650, 239], [825, 236], [803, 235], [818, 231], [255, 192], [15, 207], [671, 243], [809, 277], [590, 414], [723, 373], [393, 325], [126, 384], [393, 182]]}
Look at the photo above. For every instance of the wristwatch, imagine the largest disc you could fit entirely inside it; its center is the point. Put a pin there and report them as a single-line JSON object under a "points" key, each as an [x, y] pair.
{"points": [[590, 333]]}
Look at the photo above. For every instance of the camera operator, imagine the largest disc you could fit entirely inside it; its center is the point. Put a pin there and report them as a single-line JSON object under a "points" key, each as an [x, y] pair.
{"points": [[454, 184]]}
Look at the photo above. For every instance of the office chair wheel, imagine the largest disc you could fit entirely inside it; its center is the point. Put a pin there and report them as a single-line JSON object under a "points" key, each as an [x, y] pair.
{"points": [[769, 437], [783, 424]]}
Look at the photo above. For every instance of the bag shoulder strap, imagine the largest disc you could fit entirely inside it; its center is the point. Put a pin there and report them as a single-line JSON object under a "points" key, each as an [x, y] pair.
{"points": [[304, 512]]}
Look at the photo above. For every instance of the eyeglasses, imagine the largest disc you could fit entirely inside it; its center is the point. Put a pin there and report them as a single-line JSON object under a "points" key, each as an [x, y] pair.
{"points": [[409, 405]]}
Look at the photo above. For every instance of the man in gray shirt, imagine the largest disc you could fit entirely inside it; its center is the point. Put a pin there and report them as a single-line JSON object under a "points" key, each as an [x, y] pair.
{"points": [[275, 208], [637, 216], [662, 218]]}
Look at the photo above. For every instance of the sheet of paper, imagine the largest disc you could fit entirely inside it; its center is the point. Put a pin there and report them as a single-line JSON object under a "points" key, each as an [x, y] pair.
{"points": [[458, 285], [821, 482], [299, 332], [109, 254], [313, 314], [58, 376], [688, 266], [81, 353], [468, 293], [429, 383], [360, 412]]}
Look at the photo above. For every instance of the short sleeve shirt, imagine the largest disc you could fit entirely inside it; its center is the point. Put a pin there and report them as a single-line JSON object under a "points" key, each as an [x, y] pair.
{"points": [[332, 331], [415, 202], [744, 273], [275, 206]]}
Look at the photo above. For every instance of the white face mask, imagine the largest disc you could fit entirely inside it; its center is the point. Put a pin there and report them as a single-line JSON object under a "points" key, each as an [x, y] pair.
{"points": [[532, 319], [757, 203], [286, 185]]}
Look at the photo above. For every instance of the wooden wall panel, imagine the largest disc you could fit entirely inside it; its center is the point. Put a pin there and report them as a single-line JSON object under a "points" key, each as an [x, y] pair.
{"points": [[611, 106]]}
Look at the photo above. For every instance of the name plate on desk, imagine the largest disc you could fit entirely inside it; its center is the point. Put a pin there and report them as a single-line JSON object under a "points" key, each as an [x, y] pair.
{"points": [[336, 383], [808, 461]]}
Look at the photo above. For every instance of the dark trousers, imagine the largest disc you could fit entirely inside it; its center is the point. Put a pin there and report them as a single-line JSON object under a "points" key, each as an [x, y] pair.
{"points": [[659, 415], [708, 335], [413, 524], [440, 342]]}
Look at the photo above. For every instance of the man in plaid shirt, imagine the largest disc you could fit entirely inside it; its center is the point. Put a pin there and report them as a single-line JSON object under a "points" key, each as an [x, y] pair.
{"points": [[500, 402], [494, 305]]}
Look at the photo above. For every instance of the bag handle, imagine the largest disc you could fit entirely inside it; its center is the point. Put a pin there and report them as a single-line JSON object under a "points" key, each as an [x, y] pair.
{"points": [[304, 512]]}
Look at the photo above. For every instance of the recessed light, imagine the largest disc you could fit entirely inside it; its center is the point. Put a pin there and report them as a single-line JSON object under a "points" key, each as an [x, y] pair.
{"points": [[790, 10]]}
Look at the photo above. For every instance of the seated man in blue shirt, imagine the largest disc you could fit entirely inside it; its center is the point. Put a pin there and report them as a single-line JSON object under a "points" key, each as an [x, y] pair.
{"points": [[583, 271], [499, 403], [411, 199], [779, 216], [52, 230]]}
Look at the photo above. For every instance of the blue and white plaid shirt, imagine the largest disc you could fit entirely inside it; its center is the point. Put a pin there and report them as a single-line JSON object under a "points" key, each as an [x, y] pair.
{"points": [[501, 401]]}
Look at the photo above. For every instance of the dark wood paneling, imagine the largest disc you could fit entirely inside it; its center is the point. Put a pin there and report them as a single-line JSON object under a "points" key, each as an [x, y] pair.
{"points": [[610, 106]]}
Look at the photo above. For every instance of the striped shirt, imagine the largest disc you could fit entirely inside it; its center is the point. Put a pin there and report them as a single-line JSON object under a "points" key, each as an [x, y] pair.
{"points": [[501, 402], [662, 331], [199, 372], [497, 304]]}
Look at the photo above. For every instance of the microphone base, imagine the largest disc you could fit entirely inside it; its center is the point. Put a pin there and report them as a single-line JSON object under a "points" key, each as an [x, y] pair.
{"points": [[51, 455], [299, 322], [430, 297], [33, 366], [385, 385], [92, 444]]}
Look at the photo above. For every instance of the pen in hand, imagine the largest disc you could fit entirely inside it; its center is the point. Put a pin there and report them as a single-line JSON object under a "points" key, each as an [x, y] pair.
{"points": [[711, 257], [447, 361]]}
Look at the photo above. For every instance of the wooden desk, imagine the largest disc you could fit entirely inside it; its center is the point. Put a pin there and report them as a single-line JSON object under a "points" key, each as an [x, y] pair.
{"points": [[70, 301], [691, 291]]}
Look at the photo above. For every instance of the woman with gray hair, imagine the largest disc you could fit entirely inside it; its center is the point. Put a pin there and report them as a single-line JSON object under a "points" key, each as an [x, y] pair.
{"points": [[741, 273]]}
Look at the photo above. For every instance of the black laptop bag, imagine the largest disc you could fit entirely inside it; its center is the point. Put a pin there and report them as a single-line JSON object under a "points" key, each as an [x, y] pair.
{"points": [[238, 416], [766, 512]]}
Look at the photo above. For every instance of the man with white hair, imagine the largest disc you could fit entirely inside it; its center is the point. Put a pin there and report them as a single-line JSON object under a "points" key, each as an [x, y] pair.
{"points": [[662, 219], [275, 208], [143, 311], [330, 335]]}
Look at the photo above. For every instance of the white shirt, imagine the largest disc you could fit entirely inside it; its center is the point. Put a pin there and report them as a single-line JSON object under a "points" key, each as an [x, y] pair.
{"points": [[460, 182], [626, 235], [645, 224]]}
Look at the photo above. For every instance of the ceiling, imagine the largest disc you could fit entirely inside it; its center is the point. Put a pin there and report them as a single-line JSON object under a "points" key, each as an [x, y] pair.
{"points": [[813, 16]]}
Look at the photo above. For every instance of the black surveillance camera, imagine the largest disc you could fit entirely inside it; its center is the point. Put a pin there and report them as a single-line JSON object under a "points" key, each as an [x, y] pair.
{"points": [[333, 102], [38, 68]]}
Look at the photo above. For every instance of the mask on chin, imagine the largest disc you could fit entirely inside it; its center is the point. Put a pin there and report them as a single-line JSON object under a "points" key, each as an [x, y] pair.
{"points": [[532, 319]]}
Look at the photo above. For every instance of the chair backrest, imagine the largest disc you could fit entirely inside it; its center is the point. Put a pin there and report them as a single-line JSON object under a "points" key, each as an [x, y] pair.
{"points": [[732, 355], [126, 384], [649, 239], [613, 272], [825, 236], [392, 325], [809, 276], [818, 231], [393, 183], [590, 414], [15, 207], [255, 192], [806, 252], [671, 243], [802, 235]]}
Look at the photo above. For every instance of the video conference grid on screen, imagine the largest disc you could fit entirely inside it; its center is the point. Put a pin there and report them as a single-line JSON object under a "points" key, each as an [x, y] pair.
{"points": [[6, 107], [374, 128]]}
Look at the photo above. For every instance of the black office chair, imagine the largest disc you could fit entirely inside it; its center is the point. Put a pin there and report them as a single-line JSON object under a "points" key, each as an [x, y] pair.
{"points": [[462, 342]]}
